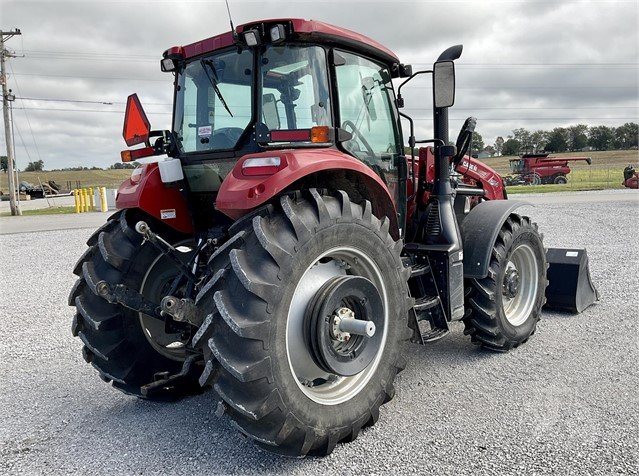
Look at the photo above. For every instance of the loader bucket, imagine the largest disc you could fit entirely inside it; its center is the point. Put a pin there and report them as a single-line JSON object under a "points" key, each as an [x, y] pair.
{"points": [[570, 287]]}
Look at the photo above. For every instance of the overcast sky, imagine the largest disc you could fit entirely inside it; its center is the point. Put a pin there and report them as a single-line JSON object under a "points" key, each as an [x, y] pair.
{"points": [[532, 64]]}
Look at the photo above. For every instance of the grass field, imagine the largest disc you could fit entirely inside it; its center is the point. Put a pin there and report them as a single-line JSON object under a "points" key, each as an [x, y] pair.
{"points": [[605, 172], [43, 211]]}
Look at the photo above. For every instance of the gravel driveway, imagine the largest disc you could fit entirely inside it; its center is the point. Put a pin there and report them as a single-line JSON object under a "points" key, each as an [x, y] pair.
{"points": [[564, 403]]}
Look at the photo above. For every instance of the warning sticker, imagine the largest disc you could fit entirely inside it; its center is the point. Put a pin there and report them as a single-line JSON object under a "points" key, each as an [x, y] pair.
{"points": [[167, 214], [204, 131]]}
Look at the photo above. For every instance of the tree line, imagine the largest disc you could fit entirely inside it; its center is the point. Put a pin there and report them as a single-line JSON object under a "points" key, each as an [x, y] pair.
{"points": [[561, 139], [38, 166]]}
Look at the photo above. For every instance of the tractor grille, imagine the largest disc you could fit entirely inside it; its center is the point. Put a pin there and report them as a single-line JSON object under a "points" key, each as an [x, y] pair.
{"points": [[433, 224]]}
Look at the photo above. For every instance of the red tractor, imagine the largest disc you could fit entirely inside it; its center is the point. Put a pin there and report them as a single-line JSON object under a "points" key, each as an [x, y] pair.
{"points": [[538, 169], [287, 248]]}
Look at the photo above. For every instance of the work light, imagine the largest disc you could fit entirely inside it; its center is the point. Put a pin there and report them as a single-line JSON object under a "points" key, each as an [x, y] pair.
{"points": [[277, 33], [167, 64], [251, 38]]}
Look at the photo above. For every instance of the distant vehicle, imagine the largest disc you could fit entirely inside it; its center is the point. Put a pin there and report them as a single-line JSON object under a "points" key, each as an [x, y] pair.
{"points": [[39, 191], [538, 169], [630, 177]]}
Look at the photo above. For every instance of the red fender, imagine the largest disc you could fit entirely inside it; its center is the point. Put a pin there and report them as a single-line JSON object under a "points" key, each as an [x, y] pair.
{"points": [[239, 194], [146, 191]]}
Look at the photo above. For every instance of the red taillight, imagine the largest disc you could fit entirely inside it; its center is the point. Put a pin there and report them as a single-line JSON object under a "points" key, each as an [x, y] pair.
{"points": [[130, 155], [262, 166], [291, 135]]}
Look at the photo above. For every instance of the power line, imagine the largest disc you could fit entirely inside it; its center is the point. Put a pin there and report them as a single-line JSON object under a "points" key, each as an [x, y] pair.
{"points": [[118, 57], [24, 145], [67, 100], [35, 143], [412, 87], [416, 118], [538, 108], [88, 77], [109, 103], [90, 54], [81, 110]]}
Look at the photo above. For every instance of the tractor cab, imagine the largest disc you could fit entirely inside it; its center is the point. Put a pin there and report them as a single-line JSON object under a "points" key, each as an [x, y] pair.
{"points": [[282, 85]]}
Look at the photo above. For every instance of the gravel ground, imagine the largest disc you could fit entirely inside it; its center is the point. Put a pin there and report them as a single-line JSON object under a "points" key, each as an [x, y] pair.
{"points": [[564, 403]]}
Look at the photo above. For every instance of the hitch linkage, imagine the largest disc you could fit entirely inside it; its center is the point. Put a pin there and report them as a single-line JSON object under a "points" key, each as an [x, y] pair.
{"points": [[129, 298], [166, 249]]}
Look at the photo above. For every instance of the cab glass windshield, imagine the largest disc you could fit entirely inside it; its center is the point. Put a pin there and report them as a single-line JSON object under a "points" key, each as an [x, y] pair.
{"points": [[214, 101]]}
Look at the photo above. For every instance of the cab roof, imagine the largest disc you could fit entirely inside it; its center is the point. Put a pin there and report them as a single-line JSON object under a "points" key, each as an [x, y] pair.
{"points": [[302, 30]]}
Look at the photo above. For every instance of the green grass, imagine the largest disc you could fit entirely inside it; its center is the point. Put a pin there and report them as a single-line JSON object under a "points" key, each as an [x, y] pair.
{"points": [[43, 211]]}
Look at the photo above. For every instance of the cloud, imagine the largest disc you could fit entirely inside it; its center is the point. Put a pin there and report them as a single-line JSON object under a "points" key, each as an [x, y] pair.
{"points": [[103, 51]]}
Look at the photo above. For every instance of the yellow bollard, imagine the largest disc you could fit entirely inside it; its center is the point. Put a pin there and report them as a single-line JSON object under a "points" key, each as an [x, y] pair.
{"points": [[81, 195], [91, 199], [76, 196], [86, 199], [104, 206]]}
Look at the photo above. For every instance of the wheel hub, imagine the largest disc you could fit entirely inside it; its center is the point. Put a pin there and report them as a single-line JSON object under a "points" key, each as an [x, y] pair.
{"points": [[342, 322], [512, 281]]}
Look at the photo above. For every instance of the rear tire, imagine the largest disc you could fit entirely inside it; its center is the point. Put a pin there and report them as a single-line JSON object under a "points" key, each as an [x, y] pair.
{"points": [[127, 348], [498, 316], [253, 301], [560, 179]]}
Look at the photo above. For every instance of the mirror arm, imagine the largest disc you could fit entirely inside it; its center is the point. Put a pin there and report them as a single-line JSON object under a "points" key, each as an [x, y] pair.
{"points": [[400, 100], [411, 143]]}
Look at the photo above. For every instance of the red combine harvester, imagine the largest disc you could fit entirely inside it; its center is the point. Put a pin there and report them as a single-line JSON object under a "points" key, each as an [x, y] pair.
{"points": [[287, 248], [630, 177], [538, 169]]}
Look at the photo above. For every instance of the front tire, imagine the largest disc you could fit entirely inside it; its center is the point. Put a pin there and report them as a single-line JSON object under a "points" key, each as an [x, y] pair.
{"points": [[258, 361], [502, 309]]}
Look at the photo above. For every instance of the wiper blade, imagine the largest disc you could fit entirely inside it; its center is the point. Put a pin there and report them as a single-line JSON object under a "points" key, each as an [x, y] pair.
{"points": [[213, 80]]}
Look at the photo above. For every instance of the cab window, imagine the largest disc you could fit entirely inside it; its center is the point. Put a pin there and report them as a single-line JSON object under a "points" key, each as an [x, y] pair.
{"points": [[295, 92], [365, 98]]}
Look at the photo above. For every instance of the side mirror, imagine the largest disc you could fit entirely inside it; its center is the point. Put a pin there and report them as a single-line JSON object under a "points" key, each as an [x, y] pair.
{"points": [[136, 124], [444, 84], [269, 111]]}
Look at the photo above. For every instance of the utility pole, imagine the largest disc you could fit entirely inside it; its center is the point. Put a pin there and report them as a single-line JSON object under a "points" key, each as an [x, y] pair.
{"points": [[6, 97]]}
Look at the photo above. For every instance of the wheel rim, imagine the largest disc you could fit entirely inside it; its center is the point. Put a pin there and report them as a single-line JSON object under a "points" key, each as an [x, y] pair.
{"points": [[315, 383], [520, 285], [155, 285]]}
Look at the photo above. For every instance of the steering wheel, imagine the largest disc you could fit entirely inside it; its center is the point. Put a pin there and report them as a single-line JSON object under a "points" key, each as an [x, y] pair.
{"points": [[359, 135], [464, 140], [226, 137]]}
